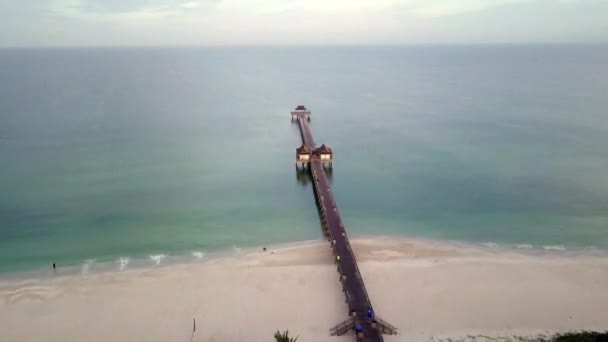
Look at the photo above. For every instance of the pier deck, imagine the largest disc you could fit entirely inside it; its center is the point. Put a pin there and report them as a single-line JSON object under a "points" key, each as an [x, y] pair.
{"points": [[367, 328]]}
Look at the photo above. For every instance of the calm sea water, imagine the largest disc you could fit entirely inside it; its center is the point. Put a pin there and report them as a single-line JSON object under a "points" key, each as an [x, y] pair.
{"points": [[109, 153]]}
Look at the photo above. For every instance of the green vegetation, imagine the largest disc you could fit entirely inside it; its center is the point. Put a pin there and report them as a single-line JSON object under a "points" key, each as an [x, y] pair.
{"points": [[573, 336], [284, 336], [579, 336]]}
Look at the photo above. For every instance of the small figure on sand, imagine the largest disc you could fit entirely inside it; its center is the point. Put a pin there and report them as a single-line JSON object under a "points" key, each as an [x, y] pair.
{"points": [[54, 268], [264, 249]]}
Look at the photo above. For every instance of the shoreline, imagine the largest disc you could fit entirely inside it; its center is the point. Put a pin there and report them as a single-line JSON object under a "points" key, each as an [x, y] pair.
{"points": [[427, 289], [158, 261]]}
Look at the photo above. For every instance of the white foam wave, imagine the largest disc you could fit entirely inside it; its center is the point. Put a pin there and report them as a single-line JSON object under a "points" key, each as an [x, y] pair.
{"points": [[158, 258], [524, 246], [237, 251], [593, 250], [86, 266], [555, 248], [489, 244], [123, 262], [198, 255]]}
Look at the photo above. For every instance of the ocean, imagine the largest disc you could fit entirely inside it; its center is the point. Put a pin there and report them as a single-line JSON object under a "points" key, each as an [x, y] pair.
{"points": [[110, 153]]}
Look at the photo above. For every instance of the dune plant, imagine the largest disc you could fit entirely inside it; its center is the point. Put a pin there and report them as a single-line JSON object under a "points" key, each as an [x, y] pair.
{"points": [[284, 336]]}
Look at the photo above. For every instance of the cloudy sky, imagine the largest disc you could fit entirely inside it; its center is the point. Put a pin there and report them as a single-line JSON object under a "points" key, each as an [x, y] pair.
{"points": [[238, 22]]}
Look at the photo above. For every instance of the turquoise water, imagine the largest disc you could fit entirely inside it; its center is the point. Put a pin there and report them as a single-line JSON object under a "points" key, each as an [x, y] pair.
{"points": [[111, 153]]}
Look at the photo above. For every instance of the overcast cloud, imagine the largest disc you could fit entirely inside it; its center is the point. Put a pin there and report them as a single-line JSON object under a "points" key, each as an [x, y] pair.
{"points": [[228, 22]]}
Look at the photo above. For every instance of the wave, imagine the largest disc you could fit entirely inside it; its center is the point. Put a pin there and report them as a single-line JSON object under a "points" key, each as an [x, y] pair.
{"points": [[524, 246], [86, 266], [158, 258], [555, 248], [123, 261], [198, 255], [489, 244], [237, 251]]}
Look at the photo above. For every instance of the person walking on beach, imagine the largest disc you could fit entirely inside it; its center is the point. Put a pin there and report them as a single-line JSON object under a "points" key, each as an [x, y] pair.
{"points": [[54, 268]]}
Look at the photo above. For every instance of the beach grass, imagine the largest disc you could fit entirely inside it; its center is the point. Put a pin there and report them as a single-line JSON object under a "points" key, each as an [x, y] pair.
{"points": [[571, 336]]}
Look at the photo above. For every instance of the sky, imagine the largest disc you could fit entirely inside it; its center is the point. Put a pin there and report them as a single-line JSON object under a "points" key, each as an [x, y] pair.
{"points": [[298, 22]]}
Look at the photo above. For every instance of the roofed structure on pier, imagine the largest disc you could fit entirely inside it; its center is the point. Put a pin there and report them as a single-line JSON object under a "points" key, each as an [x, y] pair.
{"points": [[325, 153], [303, 154], [300, 111]]}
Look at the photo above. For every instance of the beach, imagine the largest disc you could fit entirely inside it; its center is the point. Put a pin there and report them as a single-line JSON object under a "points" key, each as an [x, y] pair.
{"points": [[428, 289]]}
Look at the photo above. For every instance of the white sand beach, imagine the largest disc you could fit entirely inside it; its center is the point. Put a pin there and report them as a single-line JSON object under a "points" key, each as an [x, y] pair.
{"points": [[426, 289]]}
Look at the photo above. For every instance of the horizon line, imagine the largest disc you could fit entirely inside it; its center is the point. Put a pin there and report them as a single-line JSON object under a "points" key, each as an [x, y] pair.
{"points": [[253, 45]]}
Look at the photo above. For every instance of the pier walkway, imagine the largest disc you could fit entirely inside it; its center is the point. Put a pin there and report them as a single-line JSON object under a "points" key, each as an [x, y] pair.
{"points": [[362, 319]]}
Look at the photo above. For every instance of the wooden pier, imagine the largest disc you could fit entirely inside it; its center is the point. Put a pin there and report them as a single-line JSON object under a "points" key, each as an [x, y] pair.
{"points": [[362, 318]]}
